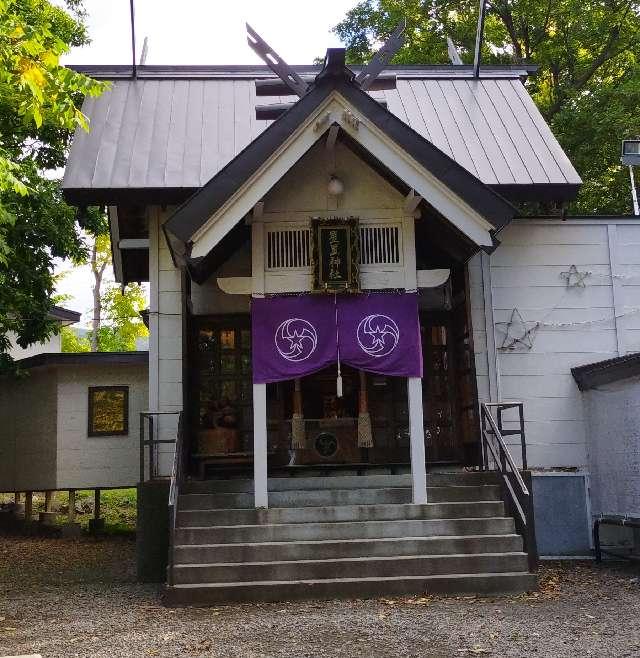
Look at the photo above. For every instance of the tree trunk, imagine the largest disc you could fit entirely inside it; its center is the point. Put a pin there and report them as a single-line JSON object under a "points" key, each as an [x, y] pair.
{"points": [[98, 271]]}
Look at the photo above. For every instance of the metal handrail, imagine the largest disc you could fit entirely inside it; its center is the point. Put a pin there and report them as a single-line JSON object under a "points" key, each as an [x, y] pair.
{"points": [[151, 442], [517, 494], [177, 474]]}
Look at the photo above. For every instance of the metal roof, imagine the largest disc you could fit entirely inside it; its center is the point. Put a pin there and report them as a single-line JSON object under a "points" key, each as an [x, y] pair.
{"points": [[174, 128]]}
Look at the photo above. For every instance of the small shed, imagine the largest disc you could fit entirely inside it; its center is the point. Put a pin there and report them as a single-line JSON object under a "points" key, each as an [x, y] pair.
{"points": [[70, 421], [611, 395]]}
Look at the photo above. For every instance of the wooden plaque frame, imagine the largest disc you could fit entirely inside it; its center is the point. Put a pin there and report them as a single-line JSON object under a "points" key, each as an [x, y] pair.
{"points": [[335, 254]]}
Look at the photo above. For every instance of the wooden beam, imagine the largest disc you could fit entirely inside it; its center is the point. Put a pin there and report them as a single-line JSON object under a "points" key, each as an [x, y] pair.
{"points": [[271, 58], [235, 285], [28, 506], [278, 88], [71, 512], [276, 110], [432, 278], [390, 47], [411, 202], [133, 243], [454, 56]]}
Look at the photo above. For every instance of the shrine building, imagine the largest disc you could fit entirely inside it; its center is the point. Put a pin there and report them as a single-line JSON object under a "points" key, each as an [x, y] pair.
{"points": [[365, 304]]}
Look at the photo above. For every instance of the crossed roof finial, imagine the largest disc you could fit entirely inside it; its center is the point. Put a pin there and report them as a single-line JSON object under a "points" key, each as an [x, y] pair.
{"points": [[333, 64]]}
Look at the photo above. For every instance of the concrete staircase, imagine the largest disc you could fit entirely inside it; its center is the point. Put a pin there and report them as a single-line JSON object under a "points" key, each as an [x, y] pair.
{"points": [[344, 537]]}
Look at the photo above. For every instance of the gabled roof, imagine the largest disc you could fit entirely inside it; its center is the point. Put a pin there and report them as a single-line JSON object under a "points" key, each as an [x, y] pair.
{"points": [[160, 137], [333, 95]]}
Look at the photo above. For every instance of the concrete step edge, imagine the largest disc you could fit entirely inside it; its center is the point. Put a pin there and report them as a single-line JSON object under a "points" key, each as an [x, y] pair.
{"points": [[340, 507], [350, 489], [485, 519], [338, 581], [364, 558], [431, 538]]}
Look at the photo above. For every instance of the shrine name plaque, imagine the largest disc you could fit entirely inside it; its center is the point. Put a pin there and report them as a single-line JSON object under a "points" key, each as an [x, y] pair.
{"points": [[335, 254]]}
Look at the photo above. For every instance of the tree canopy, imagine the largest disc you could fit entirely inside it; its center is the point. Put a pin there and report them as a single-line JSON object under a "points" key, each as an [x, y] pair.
{"points": [[39, 108], [587, 86]]}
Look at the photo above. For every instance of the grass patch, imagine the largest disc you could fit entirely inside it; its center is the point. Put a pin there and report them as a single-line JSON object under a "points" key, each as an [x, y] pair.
{"points": [[118, 507]]}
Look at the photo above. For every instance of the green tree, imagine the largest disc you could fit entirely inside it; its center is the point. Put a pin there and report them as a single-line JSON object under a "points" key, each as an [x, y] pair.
{"points": [[123, 321], [588, 84], [115, 319], [39, 108], [72, 342]]}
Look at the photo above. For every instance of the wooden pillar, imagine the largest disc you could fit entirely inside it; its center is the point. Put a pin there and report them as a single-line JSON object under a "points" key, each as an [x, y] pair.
{"points": [[17, 497], [71, 514], [96, 504], [416, 435], [48, 501], [28, 506], [261, 497]]}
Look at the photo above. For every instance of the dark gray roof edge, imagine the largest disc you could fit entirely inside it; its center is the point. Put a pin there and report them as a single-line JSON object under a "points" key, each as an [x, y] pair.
{"points": [[240, 71], [512, 192], [83, 359], [64, 314], [605, 372]]}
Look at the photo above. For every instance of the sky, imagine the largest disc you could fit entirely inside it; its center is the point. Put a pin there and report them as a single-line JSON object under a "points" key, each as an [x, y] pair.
{"points": [[198, 32]]}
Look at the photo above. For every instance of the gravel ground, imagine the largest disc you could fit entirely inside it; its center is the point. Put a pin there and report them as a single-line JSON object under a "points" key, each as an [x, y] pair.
{"points": [[64, 598]]}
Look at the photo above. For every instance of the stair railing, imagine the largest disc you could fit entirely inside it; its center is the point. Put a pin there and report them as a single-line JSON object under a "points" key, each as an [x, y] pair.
{"points": [[517, 494], [177, 478]]}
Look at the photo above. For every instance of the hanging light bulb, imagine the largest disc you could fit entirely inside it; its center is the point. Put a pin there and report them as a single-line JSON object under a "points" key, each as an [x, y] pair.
{"points": [[335, 187]]}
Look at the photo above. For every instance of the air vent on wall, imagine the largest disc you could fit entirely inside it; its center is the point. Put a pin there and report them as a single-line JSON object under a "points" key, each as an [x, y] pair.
{"points": [[288, 248], [380, 245]]}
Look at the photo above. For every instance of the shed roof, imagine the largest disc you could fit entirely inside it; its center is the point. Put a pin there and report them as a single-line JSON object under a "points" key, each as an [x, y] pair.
{"points": [[168, 132], [605, 372], [64, 315], [139, 358]]}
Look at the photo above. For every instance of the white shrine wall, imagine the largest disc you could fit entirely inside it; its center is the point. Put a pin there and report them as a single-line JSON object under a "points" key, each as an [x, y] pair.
{"points": [[601, 320]]}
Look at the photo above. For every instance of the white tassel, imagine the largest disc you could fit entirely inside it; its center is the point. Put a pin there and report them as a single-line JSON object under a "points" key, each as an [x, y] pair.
{"points": [[339, 385]]}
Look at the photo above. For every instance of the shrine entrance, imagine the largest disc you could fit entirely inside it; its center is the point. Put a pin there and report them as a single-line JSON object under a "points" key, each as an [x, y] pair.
{"points": [[221, 404]]}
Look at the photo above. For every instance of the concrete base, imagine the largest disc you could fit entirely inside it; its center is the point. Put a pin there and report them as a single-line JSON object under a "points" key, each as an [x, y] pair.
{"points": [[96, 525], [48, 518], [152, 536], [71, 531]]}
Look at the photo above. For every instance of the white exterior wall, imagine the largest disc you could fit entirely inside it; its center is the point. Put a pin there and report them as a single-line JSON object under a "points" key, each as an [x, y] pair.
{"points": [[28, 420], [102, 461], [165, 336], [52, 345], [525, 273]]}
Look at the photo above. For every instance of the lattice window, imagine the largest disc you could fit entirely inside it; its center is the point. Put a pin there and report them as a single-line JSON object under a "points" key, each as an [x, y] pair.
{"points": [[380, 245], [288, 248]]}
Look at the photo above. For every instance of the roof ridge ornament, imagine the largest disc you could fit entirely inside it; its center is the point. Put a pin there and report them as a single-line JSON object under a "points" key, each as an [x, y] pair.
{"points": [[276, 63], [384, 55]]}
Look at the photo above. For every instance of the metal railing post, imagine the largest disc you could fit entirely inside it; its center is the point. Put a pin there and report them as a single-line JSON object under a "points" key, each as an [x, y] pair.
{"points": [[152, 466], [523, 442], [141, 447]]}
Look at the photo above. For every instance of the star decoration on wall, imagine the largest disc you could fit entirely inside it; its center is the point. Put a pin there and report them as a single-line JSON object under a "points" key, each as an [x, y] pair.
{"points": [[574, 278], [516, 332]]}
